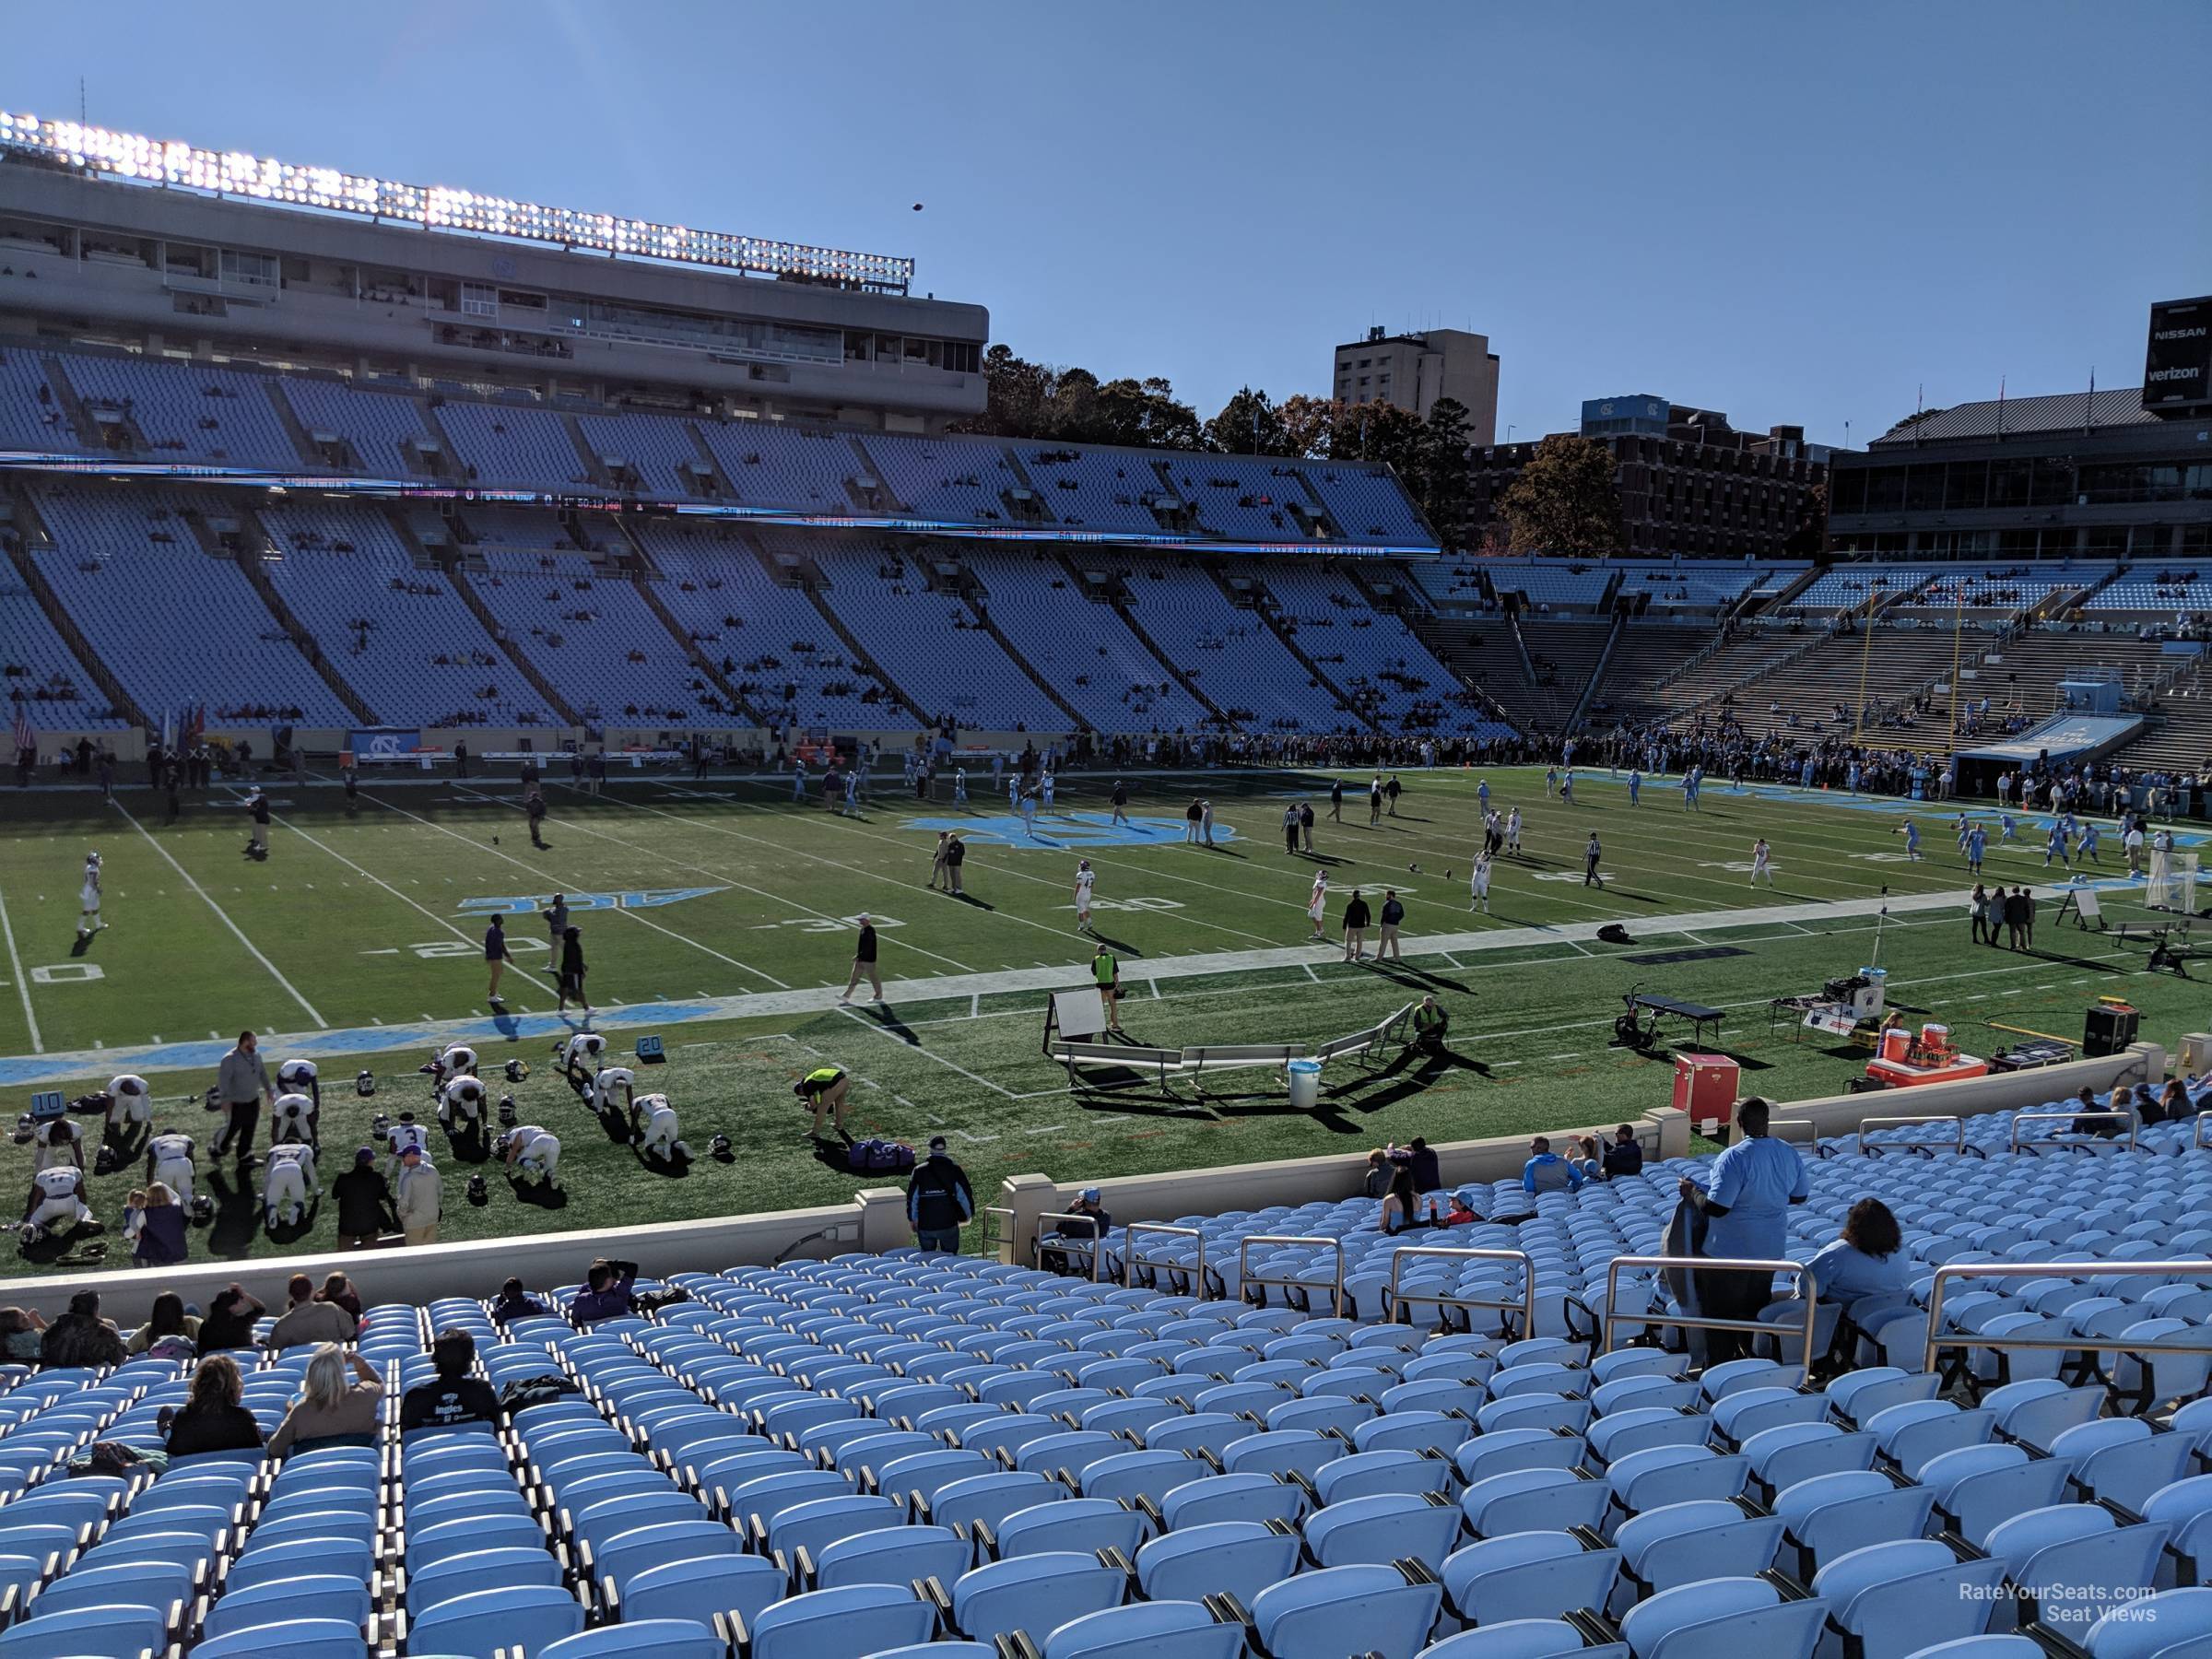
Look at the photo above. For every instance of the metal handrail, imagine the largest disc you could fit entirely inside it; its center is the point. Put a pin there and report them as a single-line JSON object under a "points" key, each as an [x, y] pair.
{"points": [[997, 1229], [1398, 1300], [1939, 1338], [1075, 1243], [2196, 1133], [1131, 1261], [1698, 1321], [1775, 1126], [1244, 1258], [1957, 1143], [2126, 1114]]}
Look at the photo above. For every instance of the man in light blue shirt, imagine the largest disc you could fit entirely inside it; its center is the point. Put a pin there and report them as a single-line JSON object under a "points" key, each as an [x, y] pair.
{"points": [[1745, 1201], [1546, 1171]]}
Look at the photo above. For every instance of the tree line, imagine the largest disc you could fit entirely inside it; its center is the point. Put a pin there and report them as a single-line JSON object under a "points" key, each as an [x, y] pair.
{"points": [[1563, 501]]}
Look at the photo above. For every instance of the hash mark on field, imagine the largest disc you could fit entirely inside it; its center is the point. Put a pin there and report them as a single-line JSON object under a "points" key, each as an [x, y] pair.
{"points": [[1045, 1129], [1309, 973]]}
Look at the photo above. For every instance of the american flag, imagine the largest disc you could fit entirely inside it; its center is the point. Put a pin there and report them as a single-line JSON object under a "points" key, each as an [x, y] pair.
{"points": [[25, 738]]}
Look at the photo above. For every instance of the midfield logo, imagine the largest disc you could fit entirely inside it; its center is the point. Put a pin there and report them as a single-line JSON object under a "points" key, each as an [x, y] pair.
{"points": [[642, 899]]}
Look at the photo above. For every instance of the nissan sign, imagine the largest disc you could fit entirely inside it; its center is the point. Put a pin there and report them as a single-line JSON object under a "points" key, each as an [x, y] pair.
{"points": [[2177, 372]]}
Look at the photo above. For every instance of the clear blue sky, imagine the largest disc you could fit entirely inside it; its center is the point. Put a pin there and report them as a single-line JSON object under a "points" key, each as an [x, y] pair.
{"points": [[1791, 212]]}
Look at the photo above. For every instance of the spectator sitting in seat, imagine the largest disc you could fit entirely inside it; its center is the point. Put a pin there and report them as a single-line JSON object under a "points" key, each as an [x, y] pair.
{"points": [[1546, 1171], [453, 1396], [2087, 1123], [1625, 1156], [606, 1294], [166, 1322], [309, 1321], [211, 1420], [22, 1330], [514, 1302], [81, 1338], [330, 1411], [1377, 1180], [1095, 1224], [229, 1320], [1403, 1201], [340, 1289], [1866, 1259]]}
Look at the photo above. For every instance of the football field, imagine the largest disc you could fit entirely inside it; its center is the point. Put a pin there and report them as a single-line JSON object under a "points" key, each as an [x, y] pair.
{"points": [[717, 916]]}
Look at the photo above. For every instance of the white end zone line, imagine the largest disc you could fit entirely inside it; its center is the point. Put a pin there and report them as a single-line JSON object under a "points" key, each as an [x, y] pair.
{"points": [[290, 989], [14, 963]]}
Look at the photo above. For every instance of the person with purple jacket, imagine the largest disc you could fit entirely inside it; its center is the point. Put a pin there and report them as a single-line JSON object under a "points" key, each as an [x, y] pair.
{"points": [[607, 1293]]}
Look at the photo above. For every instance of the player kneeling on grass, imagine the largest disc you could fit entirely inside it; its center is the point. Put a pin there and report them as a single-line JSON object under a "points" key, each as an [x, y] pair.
{"points": [[824, 1089], [300, 1077], [461, 1106], [57, 1204], [612, 1089], [532, 1156], [652, 1129], [169, 1162], [289, 1186], [580, 1057], [460, 1060], [130, 1101], [403, 1137], [295, 1118], [59, 1144]]}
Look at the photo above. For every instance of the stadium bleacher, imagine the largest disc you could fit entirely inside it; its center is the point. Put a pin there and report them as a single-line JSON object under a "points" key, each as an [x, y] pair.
{"points": [[881, 1454], [127, 568], [188, 411], [595, 636], [782, 656], [1850, 586], [29, 414], [1373, 657], [1229, 651], [41, 672], [1082, 648], [402, 636], [784, 466], [929, 643], [378, 427], [937, 477]]}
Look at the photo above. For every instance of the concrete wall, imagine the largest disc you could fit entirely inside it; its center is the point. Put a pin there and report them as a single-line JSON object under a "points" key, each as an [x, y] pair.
{"points": [[1666, 1132], [874, 1219]]}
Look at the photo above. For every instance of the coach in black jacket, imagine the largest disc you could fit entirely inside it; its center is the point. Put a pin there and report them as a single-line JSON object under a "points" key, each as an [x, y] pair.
{"points": [[938, 1200]]}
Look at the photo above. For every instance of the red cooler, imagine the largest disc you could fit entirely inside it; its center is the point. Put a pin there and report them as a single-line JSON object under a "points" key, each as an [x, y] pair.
{"points": [[1705, 1085]]}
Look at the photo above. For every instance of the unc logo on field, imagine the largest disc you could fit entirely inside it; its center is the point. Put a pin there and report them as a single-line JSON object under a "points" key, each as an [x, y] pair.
{"points": [[1058, 830], [642, 899]]}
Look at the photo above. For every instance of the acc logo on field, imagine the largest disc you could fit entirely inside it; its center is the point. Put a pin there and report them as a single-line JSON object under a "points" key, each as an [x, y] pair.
{"points": [[640, 898]]}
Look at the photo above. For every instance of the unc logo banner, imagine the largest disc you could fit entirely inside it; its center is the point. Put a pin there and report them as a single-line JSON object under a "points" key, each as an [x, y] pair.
{"points": [[384, 743]]}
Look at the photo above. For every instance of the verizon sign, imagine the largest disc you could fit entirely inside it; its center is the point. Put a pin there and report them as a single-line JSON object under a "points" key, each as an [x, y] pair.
{"points": [[2177, 370]]}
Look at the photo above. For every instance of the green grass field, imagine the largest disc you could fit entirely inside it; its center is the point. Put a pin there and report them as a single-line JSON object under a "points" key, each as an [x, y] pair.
{"points": [[723, 929]]}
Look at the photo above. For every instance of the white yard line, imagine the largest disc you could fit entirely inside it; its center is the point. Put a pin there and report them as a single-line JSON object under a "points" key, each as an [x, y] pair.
{"points": [[14, 963], [519, 971], [290, 989], [862, 1020], [633, 915]]}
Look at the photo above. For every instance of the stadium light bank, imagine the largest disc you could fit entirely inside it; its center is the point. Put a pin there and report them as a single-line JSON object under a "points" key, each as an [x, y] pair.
{"points": [[171, 162]]}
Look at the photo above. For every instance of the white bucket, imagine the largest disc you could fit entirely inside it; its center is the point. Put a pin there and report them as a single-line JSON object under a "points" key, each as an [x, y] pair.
{"points": [[1305, 1084]]}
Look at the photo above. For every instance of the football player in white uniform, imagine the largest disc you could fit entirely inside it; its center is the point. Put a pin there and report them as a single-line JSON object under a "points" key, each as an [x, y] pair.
{"points": [[402, 1135], [652, 1129], [294, 1118], [612, 1089], [288, 1183], [169, 1162], [59, 1145], [580, 1053], [57, 1203], [533, 1156], [130, 1101], [461, 1105], [300, 1077], [88, 921]]}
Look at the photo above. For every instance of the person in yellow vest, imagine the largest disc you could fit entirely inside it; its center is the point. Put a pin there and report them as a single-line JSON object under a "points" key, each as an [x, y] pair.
{"points": [[1106, 973], [824, 1089], [1429, 1023]]}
